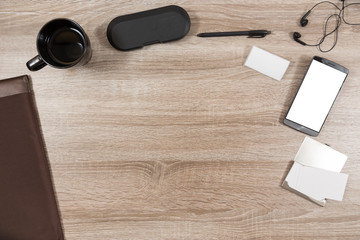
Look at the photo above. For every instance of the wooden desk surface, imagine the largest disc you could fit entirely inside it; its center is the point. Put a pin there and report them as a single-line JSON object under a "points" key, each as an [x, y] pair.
{"points": [[180, 140]]}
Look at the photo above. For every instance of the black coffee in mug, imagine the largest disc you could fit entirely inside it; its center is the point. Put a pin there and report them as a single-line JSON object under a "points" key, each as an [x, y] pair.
{"points": [[61, 43], [66, 45]]}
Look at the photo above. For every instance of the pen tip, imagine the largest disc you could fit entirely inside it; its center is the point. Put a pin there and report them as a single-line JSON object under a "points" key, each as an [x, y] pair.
{"points": [[199, 35]]}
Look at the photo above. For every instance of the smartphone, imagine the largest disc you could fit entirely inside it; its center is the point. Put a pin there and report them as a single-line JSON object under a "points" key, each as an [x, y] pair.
{"points": [[316, 95]]}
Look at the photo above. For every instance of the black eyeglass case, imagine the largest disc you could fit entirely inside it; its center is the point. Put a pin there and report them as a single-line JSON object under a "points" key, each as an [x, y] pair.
{"points": [[158, 25]]}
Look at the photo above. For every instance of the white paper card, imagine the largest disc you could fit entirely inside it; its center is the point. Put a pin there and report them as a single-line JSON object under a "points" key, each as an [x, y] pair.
{"points": [[315, 154], [317, 183], [267, 63]]}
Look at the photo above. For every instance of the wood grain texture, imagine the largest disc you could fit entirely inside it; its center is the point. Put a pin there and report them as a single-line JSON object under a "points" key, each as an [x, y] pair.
{"points": [[180, 140]]}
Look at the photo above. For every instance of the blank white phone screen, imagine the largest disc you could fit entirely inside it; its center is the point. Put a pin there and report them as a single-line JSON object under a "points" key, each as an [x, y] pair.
{"points": [[316, 95]]}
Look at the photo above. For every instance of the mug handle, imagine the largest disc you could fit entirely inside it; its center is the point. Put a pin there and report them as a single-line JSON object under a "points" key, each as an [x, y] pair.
{"points": [[36, 63]]}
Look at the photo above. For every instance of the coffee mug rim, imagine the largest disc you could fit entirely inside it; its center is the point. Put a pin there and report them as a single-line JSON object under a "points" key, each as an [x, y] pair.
{"points": [[81, 31]]}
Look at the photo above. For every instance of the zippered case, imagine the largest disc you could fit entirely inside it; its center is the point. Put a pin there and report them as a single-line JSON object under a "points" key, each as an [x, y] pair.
{"points": [[158, 25]]}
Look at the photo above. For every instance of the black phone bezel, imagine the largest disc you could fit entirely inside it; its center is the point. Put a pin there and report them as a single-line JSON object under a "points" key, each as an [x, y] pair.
{"points": [[303, 128]]}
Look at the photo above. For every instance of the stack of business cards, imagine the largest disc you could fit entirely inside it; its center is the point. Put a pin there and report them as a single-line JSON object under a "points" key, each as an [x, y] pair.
{"points": [[315, 173]]}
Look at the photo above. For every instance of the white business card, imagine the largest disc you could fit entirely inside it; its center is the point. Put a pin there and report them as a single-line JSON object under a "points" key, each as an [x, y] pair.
{"points": [[267, 63], [317, 183], [315, 154]]}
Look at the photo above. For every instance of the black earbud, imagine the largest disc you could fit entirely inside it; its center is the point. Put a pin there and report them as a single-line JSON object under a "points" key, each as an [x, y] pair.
{"points": [[303, 20], [296, 37]]}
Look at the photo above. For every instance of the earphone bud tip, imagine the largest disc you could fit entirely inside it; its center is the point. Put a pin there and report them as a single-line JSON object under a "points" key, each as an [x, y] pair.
{"points": [[304, 22], [297, 35]]}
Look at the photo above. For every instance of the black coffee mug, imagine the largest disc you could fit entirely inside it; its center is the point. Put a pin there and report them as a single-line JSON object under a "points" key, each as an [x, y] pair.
{"points": [[61, 43]]}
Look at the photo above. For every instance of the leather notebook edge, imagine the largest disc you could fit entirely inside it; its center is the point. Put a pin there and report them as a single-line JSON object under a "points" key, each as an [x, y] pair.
{"points": [[13, 86]]}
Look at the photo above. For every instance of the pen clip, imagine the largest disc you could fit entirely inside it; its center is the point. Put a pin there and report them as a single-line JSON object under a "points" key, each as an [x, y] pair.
{"points": [[258, 34]]}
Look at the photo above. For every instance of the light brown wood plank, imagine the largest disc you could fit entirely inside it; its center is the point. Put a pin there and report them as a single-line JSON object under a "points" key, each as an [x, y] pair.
{"points": [[180, 140]]}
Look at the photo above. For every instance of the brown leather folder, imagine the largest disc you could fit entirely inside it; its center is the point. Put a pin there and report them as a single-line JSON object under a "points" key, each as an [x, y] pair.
{"points": [[28, 208]]}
